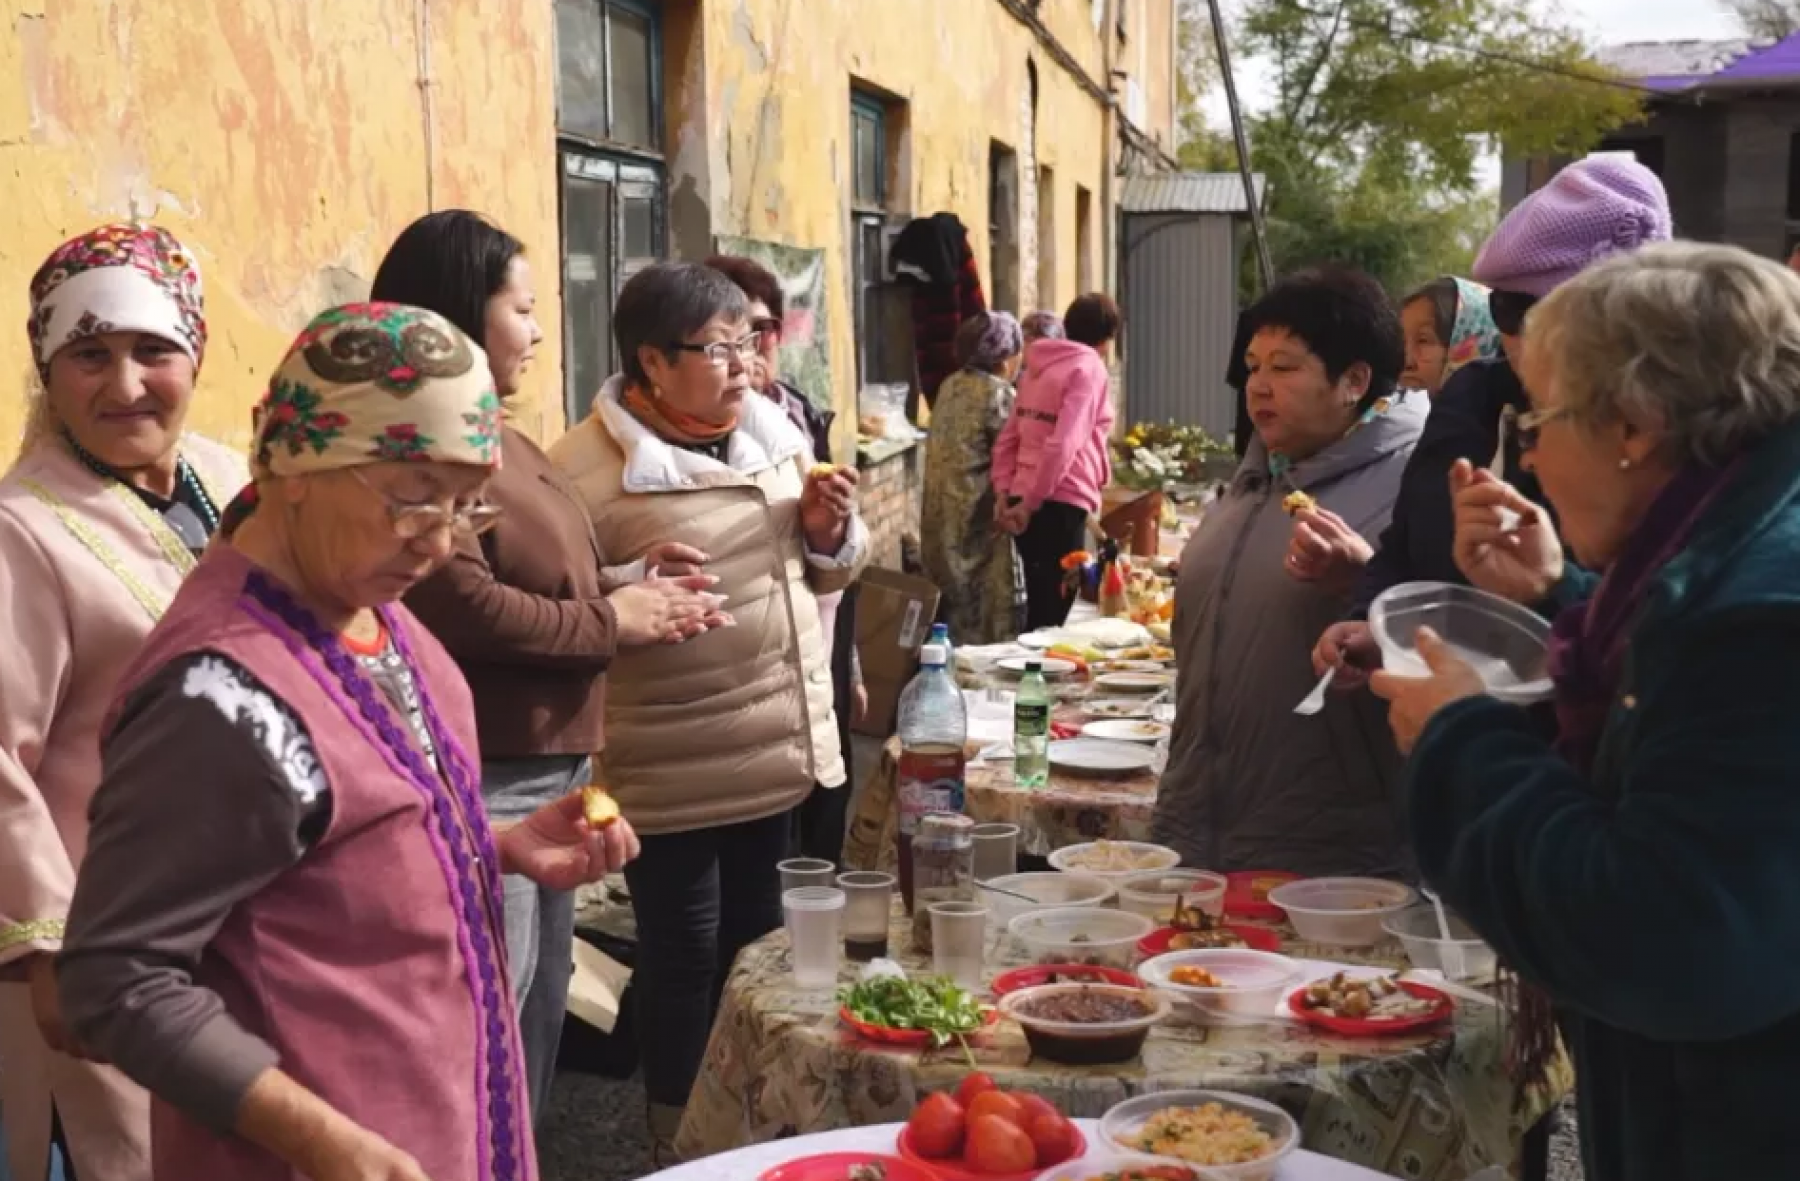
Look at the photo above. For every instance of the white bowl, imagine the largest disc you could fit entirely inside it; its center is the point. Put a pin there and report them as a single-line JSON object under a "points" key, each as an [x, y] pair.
{"points": [[1341, 912], [1507, 644], [1154, 894], [1081, 935], [1464, 957], [1053, 891], [1256, 982], [1069, 858], [1122, 1122]]}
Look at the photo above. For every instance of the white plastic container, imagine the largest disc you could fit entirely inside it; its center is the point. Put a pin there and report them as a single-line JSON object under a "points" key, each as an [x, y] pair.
{"points": [[1255, 983], [1464, 957], [1342, 912], [1122, 1123], [1507, 644], [1053, 890], [1082, 858], [1081, 935], [1154, 894]]}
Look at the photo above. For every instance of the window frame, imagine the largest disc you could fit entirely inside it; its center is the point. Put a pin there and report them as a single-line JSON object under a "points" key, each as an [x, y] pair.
{"points": [[652, 16], [870, 108]]}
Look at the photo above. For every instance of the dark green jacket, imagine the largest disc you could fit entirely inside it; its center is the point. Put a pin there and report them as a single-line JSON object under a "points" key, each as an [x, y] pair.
{"points": [[1658, 900]]}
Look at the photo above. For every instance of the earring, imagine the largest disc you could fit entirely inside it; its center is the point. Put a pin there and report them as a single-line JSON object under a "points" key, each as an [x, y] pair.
{"points": [[1625, 464]]}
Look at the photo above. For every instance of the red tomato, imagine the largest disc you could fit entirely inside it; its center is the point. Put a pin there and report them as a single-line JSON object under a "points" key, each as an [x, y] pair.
{"points": [[999, 1103], [937, 1127], [997, 1147], [972, 1086], [1053, 1139], [1034, 1106]]}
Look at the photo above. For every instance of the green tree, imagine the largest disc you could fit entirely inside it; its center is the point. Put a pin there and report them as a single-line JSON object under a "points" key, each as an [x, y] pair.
{"points": [[1766, 19]]}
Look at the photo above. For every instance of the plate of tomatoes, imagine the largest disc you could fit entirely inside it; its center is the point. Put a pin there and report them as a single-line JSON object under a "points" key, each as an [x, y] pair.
{"points": [[848, 1166], [981, 1133]]}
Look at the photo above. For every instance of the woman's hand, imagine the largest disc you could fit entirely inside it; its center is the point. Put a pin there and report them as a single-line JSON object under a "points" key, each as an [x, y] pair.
{"points": [[1414, 701], [364, 1156], [1326, 550], [671, 559], [826, 505], [1351, 649], [556, 848], [666, 610], [1505, 544], [1012, 518]]}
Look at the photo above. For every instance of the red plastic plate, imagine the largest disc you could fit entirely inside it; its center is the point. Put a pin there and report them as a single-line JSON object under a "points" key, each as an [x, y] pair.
{"points": [[889, 1036], [836, 1166], [1363, 1027], [1038, 974], [1256, 938], [1247, 894], [958, 1170]]}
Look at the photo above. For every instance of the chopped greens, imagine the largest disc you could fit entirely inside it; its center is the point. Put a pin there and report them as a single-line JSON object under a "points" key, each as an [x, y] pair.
{"points": [[938, 1006]]}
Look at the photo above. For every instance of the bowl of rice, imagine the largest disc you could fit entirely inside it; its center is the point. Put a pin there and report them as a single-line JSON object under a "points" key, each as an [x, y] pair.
{"points": [[1232, 1137]]}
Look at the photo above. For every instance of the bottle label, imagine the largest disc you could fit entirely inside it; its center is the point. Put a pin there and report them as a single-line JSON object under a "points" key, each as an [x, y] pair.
{"points": [[931, 780], [1031, 720]]}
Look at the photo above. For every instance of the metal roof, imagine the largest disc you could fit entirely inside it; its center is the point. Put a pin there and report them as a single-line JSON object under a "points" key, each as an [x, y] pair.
{"points": [[1189, 192], [1695, 67]]}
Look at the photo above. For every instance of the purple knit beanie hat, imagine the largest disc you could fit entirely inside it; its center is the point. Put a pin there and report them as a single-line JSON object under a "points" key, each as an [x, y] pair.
{"points": [[1594, 208]]}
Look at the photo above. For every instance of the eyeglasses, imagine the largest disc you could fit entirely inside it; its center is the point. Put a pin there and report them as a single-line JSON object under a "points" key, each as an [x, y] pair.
{"points": [[1527, 426], [413, 521], [1509, 309], [723, 352], [767, 327]]}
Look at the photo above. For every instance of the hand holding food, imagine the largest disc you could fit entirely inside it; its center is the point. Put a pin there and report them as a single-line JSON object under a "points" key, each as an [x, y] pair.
{"points": [[1505, 544], [557, 847], [1297, 502], [597, 807], [1324, 549], [826, 505]]}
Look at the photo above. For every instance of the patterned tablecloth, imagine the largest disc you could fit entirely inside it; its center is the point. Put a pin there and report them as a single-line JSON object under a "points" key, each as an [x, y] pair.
{"points": [[1434, 1106]]}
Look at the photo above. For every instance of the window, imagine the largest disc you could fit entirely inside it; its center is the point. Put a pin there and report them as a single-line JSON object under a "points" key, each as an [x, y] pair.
{"points": [[1084, 241], [1046, 221], [1003, 226], [882, 308], [868, 151], [614, 202]]}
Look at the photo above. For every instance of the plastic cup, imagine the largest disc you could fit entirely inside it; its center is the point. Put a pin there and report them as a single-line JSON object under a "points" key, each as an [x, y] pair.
{"points": [[996, 851], [959, 941], [797, 873], [815, 926], [867, 912]]}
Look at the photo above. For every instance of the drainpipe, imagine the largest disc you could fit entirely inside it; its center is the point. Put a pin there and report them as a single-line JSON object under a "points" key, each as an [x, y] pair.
{"points": [[427, 100], [1109, 51]]}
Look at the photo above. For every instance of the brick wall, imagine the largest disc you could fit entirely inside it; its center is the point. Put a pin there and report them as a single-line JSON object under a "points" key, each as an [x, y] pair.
{"points": [[888, 498]]}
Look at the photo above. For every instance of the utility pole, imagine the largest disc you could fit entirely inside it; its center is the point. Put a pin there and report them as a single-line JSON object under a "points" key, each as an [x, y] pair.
{"points": [[1265, 264]]}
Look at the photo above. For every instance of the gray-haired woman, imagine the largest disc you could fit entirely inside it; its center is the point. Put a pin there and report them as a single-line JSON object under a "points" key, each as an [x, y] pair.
{"points": [[1639, 872], [973, 563], [711, 743]]}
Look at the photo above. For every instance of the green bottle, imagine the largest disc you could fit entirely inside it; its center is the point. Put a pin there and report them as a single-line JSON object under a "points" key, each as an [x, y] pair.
{"points": [[1031, 729]]}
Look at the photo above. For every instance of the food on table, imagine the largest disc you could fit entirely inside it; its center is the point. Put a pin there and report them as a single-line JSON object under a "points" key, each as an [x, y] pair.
{"points": [[997, 1103], [599, 809], [973, 1085], [821, 471], [939, 1006], [995, 1132], [999, 1147], [1196, 930], [1052, 1137], [1146, 1173], [1085, 1006], [1297, 502], [1116, 857], [1209, 1134], [1160, 632], [1111, 709], [1195, 977], [937, 1127], [1377, 999], [867, 1171]]}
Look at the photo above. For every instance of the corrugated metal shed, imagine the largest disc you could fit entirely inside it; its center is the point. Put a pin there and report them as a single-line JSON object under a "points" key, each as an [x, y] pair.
{"points": [[1188, 192]]}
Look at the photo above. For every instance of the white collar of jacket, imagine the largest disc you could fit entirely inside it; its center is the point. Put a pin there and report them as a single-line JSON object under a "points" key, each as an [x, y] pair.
{"points": [[765, 437]]}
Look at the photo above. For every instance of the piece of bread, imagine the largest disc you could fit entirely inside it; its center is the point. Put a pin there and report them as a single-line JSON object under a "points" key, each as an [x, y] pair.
{"points": [[820, 471], [600, 809], [1295, 503]]}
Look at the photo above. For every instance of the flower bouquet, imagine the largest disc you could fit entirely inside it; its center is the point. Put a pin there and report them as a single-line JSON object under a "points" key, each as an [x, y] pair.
{"points": [[1160, 455]]}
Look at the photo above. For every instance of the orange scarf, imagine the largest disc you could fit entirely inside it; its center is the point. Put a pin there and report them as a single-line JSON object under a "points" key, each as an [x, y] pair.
{"points": [[673, 425]]}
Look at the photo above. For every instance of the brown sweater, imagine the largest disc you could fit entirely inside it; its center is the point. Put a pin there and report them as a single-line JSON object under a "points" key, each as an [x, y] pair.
{"points": [[522, 608]]}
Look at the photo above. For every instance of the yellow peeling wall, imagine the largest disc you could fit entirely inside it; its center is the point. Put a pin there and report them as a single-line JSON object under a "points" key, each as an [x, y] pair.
{"points": [[285, 142]]}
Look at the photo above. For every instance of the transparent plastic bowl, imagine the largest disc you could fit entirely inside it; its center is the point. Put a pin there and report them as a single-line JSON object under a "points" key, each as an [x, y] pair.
{"points": [[1507, 644], [1342, 912], [1073, 858], [1052, 890], [1122, 1123], [1101, 1163], [1081, 935], [1463, 957], [1255, 983], [1154, 894], [1084, 1043]]}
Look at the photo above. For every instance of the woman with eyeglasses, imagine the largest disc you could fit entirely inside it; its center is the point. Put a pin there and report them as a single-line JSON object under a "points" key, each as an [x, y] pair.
{"points": [[525, 608], [710, 744], [104, 513], [290, 926], [1593, 208]]}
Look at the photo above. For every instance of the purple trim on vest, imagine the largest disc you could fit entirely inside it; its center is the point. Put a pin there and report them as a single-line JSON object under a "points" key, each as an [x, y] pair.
{"points": [[498, 1142]]}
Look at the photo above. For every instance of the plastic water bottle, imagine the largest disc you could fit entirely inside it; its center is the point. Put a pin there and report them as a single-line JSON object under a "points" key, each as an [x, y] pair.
{"points": [[1031, 728], [934, 725]]}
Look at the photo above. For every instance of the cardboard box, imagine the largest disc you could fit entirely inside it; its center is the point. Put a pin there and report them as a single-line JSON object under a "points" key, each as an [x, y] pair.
{"points": [[894, 614]]}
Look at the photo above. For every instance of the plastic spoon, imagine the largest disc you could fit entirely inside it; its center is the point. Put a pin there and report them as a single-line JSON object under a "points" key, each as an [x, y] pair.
{"points": [[1315, 701], [1453, 952]]}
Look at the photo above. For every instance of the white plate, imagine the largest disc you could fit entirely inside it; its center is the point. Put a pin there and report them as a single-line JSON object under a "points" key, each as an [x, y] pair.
{"points": [[1122, 730], [1135, 682], [1050, 666], [1153, 667], [1041, 640], [1112, 708], [1089, 756]]}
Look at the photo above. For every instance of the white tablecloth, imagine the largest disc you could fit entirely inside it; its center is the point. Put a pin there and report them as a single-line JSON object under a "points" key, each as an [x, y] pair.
{"points": [[748, 1163]]}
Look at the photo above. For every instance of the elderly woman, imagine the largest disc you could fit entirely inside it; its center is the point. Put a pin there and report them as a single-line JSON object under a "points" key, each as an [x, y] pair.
{"points": [[1447, 324], [289, 926], [710, 744], [972, 562], [1248, 785], [102, 516], [1639, 870], [524, 608], [1589, 210]]}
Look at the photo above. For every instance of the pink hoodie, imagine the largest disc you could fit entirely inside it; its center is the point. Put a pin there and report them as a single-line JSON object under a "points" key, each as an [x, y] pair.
{"points": [[1054, 447]]}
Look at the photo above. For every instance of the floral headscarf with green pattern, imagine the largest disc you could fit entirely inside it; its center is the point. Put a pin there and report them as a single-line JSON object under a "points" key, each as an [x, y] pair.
{"points": [[1473, 337]]}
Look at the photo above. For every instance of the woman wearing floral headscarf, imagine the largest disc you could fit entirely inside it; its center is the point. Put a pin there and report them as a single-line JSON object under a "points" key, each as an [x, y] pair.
{"points": [[101, 517], [973, 563], [289, 927], [1448, 325]]}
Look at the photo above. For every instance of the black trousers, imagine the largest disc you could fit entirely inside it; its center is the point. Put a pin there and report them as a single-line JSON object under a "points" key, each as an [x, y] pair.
{"points": [[1056, 531], [700, 897]]}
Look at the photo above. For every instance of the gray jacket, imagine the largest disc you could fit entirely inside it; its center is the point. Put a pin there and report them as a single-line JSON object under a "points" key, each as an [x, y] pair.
{"points": [[1250, 785]]}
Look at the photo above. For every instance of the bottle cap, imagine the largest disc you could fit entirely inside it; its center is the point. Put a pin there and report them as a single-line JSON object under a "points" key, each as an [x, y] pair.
{"points": [[1034, 666], [932, 655]]}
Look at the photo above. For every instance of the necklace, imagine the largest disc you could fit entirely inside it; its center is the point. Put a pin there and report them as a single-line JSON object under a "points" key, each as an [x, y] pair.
{"points": [[190, 494]]}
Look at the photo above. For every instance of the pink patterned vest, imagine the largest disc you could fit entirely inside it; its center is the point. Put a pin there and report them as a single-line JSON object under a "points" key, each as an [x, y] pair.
{"points": [[375, 966]]}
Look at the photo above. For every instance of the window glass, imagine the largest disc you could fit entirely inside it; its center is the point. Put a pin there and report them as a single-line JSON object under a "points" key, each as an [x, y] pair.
{"points": [[634, 107], [580, 68]]}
